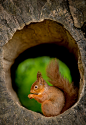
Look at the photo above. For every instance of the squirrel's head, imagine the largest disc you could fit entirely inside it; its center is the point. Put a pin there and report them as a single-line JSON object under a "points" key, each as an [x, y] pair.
{"points": [[38, 86]]}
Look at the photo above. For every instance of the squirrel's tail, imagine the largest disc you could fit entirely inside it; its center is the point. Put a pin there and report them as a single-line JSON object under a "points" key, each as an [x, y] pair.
{"points": [[57, 80]]}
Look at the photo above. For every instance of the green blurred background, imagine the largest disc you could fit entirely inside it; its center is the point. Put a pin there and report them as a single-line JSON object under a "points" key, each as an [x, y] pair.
{"points": [[26, 75]]}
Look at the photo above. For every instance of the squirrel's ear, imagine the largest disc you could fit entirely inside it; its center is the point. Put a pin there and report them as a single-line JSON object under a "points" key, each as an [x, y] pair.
{"points": [[39, 78], [39, 75]]}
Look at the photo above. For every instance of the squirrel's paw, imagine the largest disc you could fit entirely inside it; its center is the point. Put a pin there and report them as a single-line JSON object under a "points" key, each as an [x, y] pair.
{"points": [[30, 96]]}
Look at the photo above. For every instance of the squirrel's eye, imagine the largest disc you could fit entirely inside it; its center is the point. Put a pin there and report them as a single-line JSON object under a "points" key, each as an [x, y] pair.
{"points": [[36, 87]]}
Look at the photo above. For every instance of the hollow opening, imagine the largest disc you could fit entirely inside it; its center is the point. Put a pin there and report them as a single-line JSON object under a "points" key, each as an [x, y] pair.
{"points": [[47, 38], [51, 50]]}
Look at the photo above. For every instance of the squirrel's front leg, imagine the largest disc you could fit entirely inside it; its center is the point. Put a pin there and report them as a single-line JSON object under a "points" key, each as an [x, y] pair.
{"points": [[38, 98], [30, 96]]}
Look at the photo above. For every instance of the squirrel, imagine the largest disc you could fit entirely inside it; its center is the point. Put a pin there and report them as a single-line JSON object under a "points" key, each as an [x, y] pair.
{"points": [[57, 98]]}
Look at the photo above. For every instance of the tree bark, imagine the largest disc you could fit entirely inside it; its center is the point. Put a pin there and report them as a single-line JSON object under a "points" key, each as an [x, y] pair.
{"points": [[15, 15]]}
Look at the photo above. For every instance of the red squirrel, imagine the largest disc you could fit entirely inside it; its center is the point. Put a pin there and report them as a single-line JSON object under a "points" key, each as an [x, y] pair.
{"points": [[57, 98]]}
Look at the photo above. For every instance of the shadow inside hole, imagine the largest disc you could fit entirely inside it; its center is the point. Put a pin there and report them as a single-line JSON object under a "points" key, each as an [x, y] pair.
{"points": [[51, 50]]}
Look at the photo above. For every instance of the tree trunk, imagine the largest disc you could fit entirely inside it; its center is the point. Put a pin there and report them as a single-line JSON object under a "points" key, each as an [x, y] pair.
{"points": [[28, 23]]}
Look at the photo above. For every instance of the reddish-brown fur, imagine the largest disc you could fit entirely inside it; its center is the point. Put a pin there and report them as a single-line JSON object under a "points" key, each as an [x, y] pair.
{"points": [[58, 81], [57, 98]]}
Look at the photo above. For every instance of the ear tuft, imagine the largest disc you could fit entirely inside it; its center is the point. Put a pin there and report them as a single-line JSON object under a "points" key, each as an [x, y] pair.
{"points": [[39, 75], [40, 78]]}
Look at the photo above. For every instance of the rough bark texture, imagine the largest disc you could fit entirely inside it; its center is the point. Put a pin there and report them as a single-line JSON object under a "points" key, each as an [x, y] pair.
{"points": [[14, 15], [78, 12]]}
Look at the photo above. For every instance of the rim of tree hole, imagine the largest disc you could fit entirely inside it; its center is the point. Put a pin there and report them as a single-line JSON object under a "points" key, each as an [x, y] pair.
{"points": [[41, 39]]}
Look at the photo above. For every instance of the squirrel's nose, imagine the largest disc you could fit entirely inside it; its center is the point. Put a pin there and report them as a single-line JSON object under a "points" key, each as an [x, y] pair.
{"points": [[31, 91]]}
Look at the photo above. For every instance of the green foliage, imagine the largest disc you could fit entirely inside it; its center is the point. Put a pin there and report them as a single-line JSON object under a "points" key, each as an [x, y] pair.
{"points": [[26, 75]]}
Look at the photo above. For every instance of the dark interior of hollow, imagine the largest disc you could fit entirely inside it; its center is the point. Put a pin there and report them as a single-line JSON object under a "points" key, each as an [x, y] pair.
{"points": [[52, 50]]}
